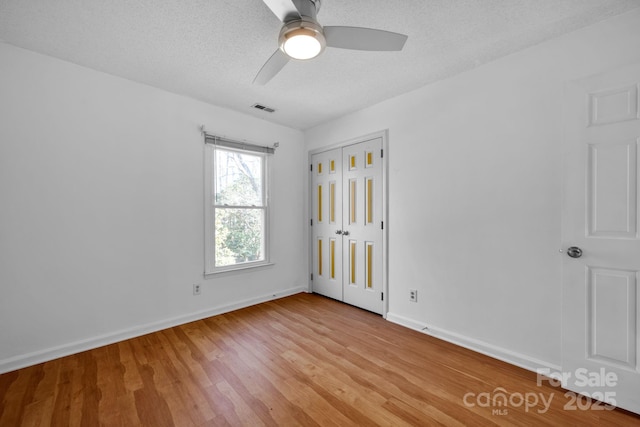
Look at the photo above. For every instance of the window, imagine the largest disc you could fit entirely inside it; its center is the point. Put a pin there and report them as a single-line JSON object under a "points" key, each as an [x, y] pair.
{"points": [[236, 208]]}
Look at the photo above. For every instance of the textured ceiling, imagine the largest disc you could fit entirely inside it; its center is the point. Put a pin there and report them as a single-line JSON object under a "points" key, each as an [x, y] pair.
{"points": [[211, 50]]}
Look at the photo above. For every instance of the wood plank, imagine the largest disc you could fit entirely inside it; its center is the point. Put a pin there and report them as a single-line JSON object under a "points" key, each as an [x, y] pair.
{"points": [[302, 360]]}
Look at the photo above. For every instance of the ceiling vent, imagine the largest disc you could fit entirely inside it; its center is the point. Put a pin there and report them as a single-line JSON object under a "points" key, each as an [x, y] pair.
{"points": [[263, 108]]}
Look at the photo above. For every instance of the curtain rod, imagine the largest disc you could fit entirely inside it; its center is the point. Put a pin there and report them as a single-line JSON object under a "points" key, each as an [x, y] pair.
{"points": [[240, 145]]}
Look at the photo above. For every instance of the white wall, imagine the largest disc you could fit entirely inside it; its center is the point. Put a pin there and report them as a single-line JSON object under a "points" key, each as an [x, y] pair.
{"points": [[475, 192], [101, 218]]}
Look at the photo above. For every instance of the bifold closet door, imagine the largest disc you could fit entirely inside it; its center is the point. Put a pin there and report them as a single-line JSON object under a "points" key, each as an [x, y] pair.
{"points": [[326, 226], [347, 215], [362, 225]]}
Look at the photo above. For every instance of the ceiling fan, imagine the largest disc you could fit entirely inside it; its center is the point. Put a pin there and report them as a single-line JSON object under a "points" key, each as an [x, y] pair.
{"points": [[302, 37]]}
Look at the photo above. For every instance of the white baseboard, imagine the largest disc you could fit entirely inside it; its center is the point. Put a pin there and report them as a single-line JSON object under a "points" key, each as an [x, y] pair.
{"points": [[509, 356], [40, 356]]}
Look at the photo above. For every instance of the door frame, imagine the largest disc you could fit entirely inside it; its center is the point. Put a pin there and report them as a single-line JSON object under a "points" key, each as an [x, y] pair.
{"points": [[384, 135]]}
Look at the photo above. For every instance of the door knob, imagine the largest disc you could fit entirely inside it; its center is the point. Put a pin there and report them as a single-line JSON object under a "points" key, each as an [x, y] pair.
{"points": [[574, 252], [345, 233], [338, 231]]}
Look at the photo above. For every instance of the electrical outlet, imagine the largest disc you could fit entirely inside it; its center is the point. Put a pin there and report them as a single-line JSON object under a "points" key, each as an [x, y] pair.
{"points": [[413, 295], [196, 289]]}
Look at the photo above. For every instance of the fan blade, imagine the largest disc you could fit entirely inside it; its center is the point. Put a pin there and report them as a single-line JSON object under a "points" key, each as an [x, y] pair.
{"points": [[285, 10], [305, 8], [272, 67], [358, 38]]}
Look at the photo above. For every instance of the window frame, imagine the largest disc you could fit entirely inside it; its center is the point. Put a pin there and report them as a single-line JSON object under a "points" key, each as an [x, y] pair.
{"points": [[210, 210]]}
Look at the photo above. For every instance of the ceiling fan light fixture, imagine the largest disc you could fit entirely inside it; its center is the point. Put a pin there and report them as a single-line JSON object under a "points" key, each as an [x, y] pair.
{"points": [[302, 40], [301, 44]]}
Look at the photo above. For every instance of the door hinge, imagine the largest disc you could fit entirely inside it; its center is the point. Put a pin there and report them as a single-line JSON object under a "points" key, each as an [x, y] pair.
{"points": [[311, 222], [381, 296], [312, 277], [381, 152], [382, 225], [311, 167]]}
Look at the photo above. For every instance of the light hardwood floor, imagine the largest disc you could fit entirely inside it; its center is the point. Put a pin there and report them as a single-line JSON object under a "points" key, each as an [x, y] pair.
{"points": [[302, 360]]}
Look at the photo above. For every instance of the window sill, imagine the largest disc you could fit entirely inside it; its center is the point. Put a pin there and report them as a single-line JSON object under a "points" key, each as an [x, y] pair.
{"points": [[238, 269]]}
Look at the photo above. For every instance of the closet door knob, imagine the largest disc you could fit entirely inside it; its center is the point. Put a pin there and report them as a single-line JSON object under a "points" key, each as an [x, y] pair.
{"points": [[574, 252]]}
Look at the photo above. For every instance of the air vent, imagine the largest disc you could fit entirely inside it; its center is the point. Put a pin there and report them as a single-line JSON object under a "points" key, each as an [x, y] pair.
{"points": [[263, 108]]}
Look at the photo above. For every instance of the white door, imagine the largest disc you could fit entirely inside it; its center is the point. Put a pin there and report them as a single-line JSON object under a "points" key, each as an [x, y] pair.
{"points": [[601, 302], [326, 225], [347, 224], [362, 224]]}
